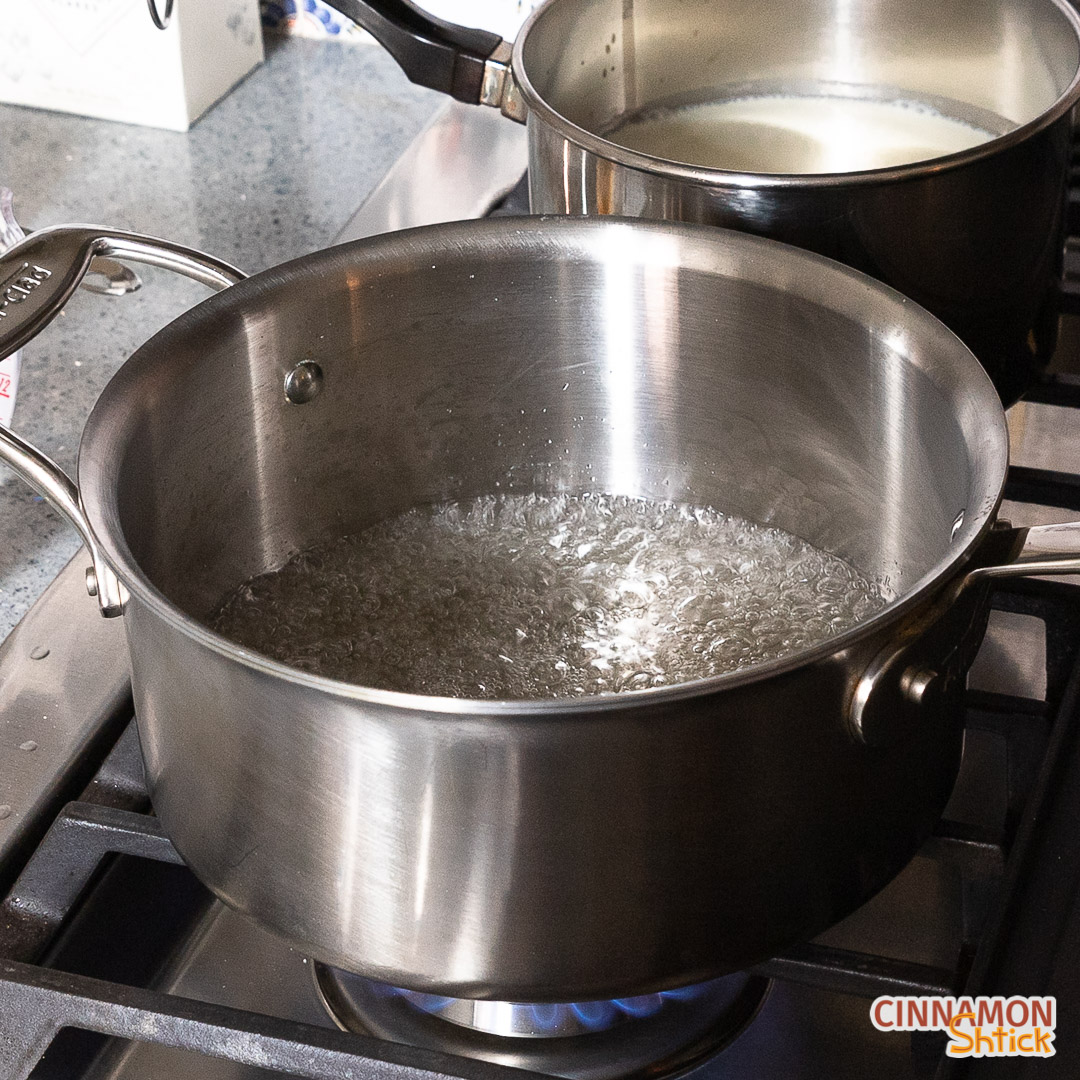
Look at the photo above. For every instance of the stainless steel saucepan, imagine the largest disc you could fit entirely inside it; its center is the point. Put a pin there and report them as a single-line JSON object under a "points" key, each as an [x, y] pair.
{"points": [[975, 236], [556, 849]]}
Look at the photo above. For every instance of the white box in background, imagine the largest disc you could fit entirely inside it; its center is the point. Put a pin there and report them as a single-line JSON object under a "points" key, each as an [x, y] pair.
{"points": [[105, 58]]}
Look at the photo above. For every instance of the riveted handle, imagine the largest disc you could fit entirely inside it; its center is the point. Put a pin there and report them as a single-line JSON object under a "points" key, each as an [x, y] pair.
{"points": [[460, 61], [912, 676], [37, 277], [1037, 549], [921, 672]]}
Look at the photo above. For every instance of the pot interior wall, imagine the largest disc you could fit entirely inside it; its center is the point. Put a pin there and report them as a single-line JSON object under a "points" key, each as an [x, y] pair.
{"points": [[997, 64], [662, 361]]}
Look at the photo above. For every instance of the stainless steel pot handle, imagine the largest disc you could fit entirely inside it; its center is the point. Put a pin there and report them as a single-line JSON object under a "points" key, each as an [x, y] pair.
{"points": [[928, 663], [37, 277], [1039, 549]]}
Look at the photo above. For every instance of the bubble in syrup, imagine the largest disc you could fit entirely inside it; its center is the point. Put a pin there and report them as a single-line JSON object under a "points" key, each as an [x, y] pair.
{"points": [[529, 596]]}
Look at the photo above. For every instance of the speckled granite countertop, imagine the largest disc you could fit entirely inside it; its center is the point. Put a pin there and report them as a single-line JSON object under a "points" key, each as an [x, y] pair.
{"points": [[271, 172]]}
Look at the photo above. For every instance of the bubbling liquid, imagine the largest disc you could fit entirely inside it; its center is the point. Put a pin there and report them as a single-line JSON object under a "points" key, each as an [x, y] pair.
{"points": [[530, 596], [809, 134]]}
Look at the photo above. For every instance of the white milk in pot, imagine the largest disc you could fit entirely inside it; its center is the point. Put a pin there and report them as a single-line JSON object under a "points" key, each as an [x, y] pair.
{"points": [[804, 134]]}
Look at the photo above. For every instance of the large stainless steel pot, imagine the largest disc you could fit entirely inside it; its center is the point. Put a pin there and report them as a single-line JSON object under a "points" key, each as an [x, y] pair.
{"points": [[976, 237], [539, 850]]}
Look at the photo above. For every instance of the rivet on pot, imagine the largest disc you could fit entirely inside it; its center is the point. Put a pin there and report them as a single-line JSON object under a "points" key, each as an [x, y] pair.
{"points": [[303, 383], [891, 698], [919, 684]]}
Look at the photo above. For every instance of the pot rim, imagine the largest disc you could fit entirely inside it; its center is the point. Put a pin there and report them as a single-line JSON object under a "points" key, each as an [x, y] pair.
{"points": [[99, 495], [726, 179]]}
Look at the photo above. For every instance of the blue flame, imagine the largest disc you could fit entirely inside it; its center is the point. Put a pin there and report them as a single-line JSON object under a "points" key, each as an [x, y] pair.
{"points": [[639, 1007], [592, 1015], [595, 1015], [686, 993], [548, 1017], [429, 1003]]}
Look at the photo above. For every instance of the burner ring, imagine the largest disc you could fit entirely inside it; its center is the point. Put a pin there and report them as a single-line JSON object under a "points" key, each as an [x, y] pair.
{"points": [[586, 1041]]}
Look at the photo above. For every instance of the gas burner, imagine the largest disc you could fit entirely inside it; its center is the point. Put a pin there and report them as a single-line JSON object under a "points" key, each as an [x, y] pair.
{"points": [[549, 1020], [655, 1035]]}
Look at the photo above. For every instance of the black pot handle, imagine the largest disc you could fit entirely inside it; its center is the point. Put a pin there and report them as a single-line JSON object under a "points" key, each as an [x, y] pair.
{"points": [[430, 51]]}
